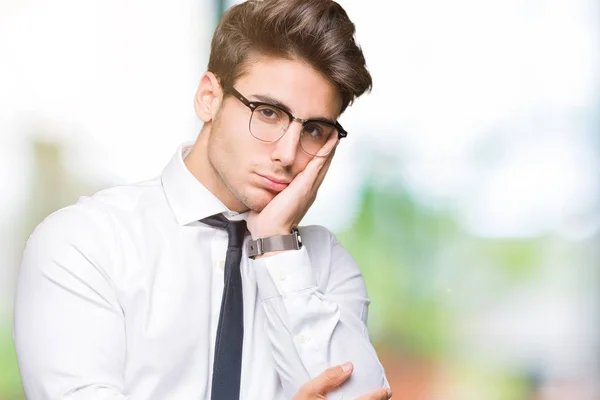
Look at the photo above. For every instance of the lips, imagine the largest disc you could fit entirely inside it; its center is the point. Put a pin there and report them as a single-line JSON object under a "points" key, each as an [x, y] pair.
{"points": [[272, 183], [276, 180]]}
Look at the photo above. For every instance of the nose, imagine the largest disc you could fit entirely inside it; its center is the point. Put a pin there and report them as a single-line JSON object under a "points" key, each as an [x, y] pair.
{"points": [[286, 148]]}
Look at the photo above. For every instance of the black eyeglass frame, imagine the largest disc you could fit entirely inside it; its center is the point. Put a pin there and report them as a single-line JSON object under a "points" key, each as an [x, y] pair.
{"points": [[253, 105]]}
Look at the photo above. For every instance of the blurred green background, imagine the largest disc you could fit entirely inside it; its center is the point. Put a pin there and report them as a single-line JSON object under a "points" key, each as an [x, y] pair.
{"points": [[467, 189]]}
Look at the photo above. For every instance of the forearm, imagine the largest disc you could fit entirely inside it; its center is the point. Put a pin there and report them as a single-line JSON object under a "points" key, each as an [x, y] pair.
{"points": [[311, 331]]}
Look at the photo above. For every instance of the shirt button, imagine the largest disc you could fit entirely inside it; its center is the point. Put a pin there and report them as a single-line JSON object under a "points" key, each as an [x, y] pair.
{"points": [[303, 339], [221, 265], [282, 275]]}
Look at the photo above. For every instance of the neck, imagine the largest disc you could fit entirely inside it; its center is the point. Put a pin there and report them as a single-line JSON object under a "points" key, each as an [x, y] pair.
{"points": [[201, 167]]}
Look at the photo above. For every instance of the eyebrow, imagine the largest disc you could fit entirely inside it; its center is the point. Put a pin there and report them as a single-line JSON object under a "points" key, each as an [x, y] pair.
{"points": [[274, 102]]}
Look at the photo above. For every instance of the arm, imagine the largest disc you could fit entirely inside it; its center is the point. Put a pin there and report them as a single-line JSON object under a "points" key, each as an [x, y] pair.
{"points": [[316, 309], [330, 379], [68, 329]]}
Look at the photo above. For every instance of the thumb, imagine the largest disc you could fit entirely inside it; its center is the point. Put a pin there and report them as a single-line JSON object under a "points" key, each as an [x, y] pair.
{"points": [[330, 379]]}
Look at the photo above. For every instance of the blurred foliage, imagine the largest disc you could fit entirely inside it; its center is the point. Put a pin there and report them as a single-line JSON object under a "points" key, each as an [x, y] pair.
{"points": [[393, 240], [10, 381], [517, 258], [53, 186], [466, 381], [415, 258]]}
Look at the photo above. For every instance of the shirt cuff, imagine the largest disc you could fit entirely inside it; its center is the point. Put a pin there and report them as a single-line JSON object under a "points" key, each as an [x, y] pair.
{"points": [[284, 273]]}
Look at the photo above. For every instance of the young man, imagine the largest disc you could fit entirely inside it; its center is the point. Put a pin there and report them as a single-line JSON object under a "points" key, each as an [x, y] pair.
{"points": [[197, 284]]}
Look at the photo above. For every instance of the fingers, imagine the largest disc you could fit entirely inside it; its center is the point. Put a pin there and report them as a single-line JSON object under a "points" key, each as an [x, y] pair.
{"points": [[332, 378], [309, 180], [318, 162], [323, 170], [379, 394], [331, 143], [318, 166], [328, 381]]}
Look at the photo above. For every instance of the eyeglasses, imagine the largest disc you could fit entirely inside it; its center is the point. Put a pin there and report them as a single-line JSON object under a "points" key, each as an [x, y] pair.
{"points": [[268, 123]]}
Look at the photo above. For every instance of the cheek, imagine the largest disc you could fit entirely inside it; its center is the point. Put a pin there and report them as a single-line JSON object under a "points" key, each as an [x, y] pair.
{"points": [[234, 146], [302, 160]]}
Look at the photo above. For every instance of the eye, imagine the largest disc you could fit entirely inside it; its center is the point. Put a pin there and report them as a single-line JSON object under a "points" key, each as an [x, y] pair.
{"points": [[268, 114], [314, 130]]}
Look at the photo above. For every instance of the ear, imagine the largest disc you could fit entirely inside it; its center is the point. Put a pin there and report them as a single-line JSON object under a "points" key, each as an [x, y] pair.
{"points": [[208, 97]]}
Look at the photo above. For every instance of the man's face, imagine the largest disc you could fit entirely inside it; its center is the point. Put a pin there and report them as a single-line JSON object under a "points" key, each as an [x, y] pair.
{"points": [[243, 163]]}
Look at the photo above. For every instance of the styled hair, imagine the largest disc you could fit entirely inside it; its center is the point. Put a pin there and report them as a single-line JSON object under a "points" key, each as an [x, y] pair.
{"points": [[318, 32]]}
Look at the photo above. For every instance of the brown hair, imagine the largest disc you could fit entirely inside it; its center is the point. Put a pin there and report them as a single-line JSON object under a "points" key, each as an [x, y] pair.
{"points": [[316, 31]]}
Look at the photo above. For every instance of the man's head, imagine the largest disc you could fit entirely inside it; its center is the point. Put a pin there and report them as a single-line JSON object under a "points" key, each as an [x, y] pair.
{"points": [[316, 31], [299, 55]]}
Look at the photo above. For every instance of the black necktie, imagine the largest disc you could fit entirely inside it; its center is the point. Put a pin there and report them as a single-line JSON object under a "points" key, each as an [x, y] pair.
{"points": [[227, 367]]}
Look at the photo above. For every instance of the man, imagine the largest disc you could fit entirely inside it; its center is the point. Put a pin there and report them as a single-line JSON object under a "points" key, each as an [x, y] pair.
{"points": [[198, 284]]}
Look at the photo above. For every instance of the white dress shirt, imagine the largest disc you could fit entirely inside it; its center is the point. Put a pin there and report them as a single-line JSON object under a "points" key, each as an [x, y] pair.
{"points": [[119, 297]]}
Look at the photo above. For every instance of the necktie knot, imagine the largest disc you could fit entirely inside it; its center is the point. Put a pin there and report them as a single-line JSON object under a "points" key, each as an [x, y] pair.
{"points": [[235, 229]]}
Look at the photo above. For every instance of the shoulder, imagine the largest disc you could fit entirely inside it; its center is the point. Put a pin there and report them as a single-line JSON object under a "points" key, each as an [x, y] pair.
{"points": [[126, 199], [91, 222]]}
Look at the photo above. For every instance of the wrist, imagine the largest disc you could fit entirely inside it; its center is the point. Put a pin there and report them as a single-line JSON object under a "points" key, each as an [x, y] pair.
{"points": [[271, 232], [274, 244]]}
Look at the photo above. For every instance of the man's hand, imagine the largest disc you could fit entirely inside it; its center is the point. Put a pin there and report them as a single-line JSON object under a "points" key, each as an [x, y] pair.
{"points": [[331, 379], [286, 209]]}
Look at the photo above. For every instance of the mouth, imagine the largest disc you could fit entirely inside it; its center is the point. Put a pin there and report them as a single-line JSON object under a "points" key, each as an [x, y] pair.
{"points": [[274, 184]]}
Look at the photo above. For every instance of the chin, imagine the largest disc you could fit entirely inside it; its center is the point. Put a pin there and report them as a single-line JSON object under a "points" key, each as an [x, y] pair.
{"points": [[257, 199]]}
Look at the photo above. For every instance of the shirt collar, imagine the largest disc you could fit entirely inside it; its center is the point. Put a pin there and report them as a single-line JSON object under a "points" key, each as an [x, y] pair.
{"points": [[190, 200]]}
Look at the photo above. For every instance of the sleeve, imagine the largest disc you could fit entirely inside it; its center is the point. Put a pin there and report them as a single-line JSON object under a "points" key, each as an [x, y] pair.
{"points": [[310, 328], [68, 325]]}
